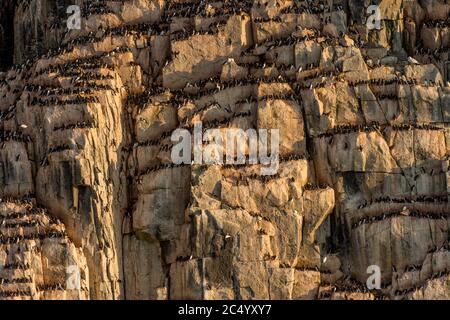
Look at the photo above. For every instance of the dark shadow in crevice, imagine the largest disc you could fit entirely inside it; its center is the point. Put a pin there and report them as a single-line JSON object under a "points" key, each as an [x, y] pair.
{"points": [[7, 34]]}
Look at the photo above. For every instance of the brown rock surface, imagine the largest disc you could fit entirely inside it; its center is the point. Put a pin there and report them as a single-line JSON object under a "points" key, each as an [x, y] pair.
{"points": [[87, 181]]}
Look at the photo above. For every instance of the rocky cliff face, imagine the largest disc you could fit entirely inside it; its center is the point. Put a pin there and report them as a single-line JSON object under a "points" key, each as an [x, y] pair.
{"points": [[86, 177]]}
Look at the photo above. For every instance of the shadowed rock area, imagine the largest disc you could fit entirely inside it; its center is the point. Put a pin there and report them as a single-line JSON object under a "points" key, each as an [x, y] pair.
{"points": [[87, 182]]}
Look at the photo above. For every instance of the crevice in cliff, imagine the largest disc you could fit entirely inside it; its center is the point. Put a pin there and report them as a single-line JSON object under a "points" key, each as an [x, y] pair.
{"points": [[131, 195], [7, 34]]}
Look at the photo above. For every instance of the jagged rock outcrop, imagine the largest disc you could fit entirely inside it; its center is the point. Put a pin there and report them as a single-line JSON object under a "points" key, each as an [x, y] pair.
{"points": [[38, 260], [87, 181]]}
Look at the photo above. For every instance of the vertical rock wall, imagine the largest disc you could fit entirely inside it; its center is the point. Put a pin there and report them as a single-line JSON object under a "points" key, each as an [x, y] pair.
{"points": [[86, 176]]}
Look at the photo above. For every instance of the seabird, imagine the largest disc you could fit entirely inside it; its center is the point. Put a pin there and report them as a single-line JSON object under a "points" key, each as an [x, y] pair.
{"points": [[413, 61]]}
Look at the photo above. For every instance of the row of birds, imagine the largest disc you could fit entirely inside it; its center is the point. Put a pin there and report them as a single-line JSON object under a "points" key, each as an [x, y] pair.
{"points": [[279, 96], [330, 75], [51, 287], [122, 30], [217, 123], [16, 265], [406, 269], [185, 34], [91, 62], [440, 248], [22, 67], [60, 148], [78, 65], [20, 224], [290, 40], [342, 129], [97, 64], [201, 9], [147, 29], [207, 87], [435, 53], [28, 293], [142, 100], [282, 159], [279, 66], [77, 125], [17, 136], [206, 125], [237, 163], [437, 275], [15, 281], [181, 96], [386, 216], [34, 236], [89, 88], [91, 37], [388, 96], [349, 128], [80, 76], [294, 157], [279, 19], [173, 10], [153, 142], [311, 268], [19, 215], [23, 200], [58, 102], [95, 7], [165, 147], [8, 113], [184, 10], [314, 186], [407, 127], [168, 133], [382, 82], [437, 23], [214, 83], [204, 108], [431, 83], [405, 200], [257, 177], [160, 167], [16, 293], [375, 126], [345, 288]]}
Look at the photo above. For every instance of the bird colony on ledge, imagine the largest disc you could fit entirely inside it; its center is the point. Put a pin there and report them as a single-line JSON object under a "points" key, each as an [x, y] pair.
{"points": [[93, 207]]}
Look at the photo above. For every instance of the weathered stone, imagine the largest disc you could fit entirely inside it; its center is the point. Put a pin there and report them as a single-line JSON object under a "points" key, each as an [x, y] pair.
{"points": [[362, 177]]}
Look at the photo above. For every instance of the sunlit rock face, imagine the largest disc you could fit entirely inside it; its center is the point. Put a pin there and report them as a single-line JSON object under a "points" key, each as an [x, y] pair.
{"points": [[87, 181]]}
